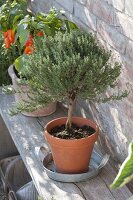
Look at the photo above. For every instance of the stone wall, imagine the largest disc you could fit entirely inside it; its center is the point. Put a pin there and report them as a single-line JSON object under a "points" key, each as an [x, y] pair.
{"points": [[112, 22]]}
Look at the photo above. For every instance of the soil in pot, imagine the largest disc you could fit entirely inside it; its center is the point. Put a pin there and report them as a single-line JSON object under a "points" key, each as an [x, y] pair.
{"points": [[75, 132]]}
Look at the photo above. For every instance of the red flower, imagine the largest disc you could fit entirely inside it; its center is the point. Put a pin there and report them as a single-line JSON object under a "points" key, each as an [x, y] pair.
{"points": [[28, 50], [29, 45], [9, 37], [40, 33], [7, 42], [5, 34], [30, 41]]}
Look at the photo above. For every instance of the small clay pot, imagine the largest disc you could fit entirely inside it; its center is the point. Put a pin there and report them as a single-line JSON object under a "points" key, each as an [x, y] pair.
{"points": [[48, 110], [71, 156]]}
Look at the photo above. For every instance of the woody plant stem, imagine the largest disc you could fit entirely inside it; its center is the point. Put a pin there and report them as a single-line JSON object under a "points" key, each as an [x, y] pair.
{"points": [[70, 110]]}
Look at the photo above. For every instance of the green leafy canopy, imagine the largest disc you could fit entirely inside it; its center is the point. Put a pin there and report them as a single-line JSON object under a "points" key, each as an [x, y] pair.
{"points": [[69, 65]]}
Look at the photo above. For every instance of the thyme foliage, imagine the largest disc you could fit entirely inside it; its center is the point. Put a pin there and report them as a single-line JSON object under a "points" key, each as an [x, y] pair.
{"points": [[70, 65]]}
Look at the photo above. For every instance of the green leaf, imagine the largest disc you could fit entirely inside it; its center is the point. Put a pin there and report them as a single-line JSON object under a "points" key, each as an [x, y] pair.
{"points": [[19, 64], [70, 25], [126, 171], [23, 33], [26, 20], [23, 37], [20, 28], [40, 198], [48, 30], [16, 18]]}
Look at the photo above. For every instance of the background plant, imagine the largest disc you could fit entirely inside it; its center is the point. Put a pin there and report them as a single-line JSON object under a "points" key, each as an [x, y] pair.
{"points": [[7, 56], [19, 27], [41, 24], [10, 14], [2, 2], [69, 66], [50, 23], [4, 78]]}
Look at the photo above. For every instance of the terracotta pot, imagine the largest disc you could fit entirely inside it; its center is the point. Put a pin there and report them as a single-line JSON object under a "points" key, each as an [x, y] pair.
{"points": [[51, 108], [71, 156]]}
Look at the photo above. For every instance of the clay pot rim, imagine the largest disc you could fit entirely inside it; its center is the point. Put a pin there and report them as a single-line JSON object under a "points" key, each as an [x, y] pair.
{"points": [[81, 139], [12, 72]]}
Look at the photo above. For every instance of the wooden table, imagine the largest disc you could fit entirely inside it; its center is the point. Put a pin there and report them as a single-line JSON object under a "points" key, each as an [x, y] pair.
{"points": [[27, 133]]}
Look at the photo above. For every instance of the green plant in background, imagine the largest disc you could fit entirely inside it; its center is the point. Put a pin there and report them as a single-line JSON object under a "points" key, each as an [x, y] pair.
{"points": [[49, 23], [40, 198], [7, 56], [69, 66], [11, 12], [41, 24], [125, 174], [2, 2], [19, 28], [4, 78]]}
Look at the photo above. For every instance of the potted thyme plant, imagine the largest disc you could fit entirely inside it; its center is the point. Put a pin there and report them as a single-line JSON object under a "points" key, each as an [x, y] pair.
{"points": [[70, 66]]}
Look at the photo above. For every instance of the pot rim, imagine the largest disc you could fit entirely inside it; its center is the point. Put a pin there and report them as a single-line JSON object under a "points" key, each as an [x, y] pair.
{"points": [[65, 118], [12, 73]]}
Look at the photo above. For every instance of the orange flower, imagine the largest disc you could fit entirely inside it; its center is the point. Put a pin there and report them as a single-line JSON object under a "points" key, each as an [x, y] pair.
{"points": [[28, 50], [9, 37], [29, 45], [5, 34], [7, 42], [40, 33], [30, 41]]}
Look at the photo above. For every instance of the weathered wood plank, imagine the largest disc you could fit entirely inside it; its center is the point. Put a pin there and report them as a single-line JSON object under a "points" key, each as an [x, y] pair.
{"points": [[27, 134], [7, 147], [96, 189], [108, 175]]}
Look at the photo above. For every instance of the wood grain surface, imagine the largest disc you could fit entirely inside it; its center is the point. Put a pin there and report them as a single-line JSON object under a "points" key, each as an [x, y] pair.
{"points": [[27, 133]]}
